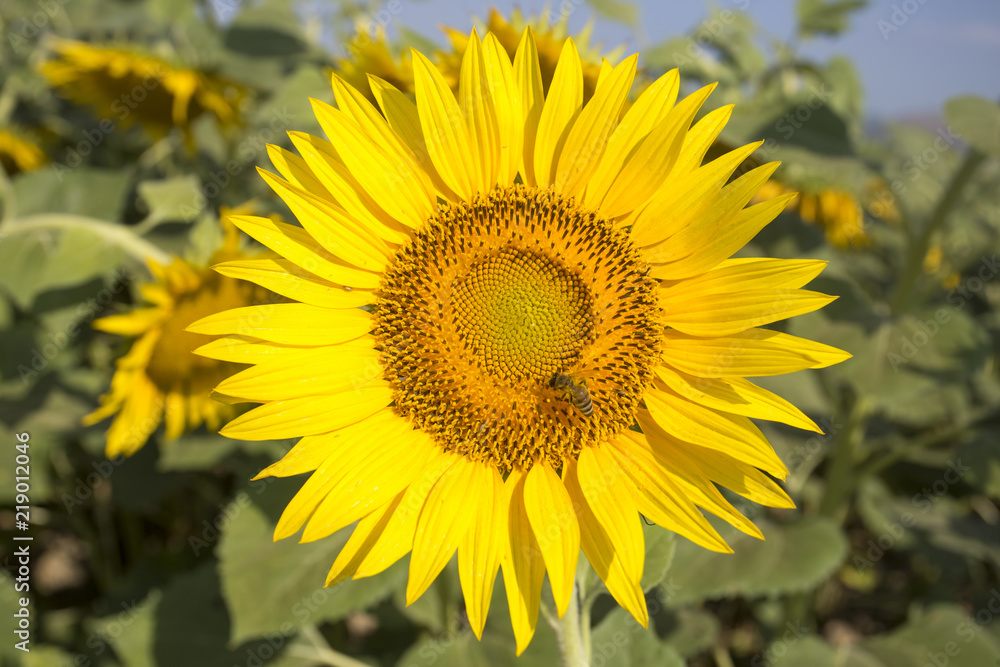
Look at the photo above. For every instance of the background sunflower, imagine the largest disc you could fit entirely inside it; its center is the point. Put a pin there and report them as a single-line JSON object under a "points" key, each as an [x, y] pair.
{"points": [[889, 555]]}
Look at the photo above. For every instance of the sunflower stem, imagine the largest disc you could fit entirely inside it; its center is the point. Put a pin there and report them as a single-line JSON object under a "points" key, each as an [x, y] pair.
{"points": [[569, 632], [118, 235], [840, 483], [919, 246]]}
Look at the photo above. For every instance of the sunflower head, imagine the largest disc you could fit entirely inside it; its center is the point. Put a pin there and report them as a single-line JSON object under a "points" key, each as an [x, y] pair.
{"points": [[516, 325], [160, 380], [133, 87]]}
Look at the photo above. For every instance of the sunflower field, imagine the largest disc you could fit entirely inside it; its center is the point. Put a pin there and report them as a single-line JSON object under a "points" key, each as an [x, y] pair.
{"points": [[328, 340]]}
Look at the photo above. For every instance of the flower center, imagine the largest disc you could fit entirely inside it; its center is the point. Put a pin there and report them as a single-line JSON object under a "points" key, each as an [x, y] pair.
{"points": [[518, 327], [522, 314]]}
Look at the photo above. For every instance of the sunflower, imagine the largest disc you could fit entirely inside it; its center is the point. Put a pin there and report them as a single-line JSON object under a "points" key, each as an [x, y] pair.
{"points": [[837, 211], [371, 55], [517, 328], [133, 87], [18, 152], [159, 379]]}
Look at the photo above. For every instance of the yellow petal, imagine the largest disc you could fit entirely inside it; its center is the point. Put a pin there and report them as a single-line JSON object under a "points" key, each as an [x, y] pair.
{"points": [[476, 103], [756, 352], [753, 273], [657, 498], [325, 370], [523, 566], [600, 551], [134, 323], [735, 395], [310, 452], [700, 138], [731, 235], [289, 323], [384, 472], [249, 350], [480, 553], [443, 523], [397, 538], [692, 195], [447, 137], [364, 537], [588, 137], [716, 314], [562, 105], [603, 485], [653, 159], [507, 102], [138, 419], [345, 190], [398, 184], [553, 520], [647, 112], [295, 244], [401, 113], [284, 277], [331, 226], [308, 416], [686, 477], [706, 427], [528, 74], [345, 452]]}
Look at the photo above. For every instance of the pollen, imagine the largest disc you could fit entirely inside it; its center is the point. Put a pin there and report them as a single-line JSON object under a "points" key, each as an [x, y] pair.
{"points": [[490, 300]]}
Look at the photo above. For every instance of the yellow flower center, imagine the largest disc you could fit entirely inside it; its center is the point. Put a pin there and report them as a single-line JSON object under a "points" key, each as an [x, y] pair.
{"points": [[492, 301]]}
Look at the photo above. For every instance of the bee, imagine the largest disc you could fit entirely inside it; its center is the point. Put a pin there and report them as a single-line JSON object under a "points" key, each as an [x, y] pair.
{"points": [[576, 391]]}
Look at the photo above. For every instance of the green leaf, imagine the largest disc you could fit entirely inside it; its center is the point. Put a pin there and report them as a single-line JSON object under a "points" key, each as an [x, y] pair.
{"points": [[689, 631], [268, 30], [174, 199], [185, 623], [660, 548], [200, 451], [943, 635], [34, 261], [823, 17], [616, 10], [270, 585], [976, 120], [85, 191], [793, 557], [982, 455], [619, 641]]}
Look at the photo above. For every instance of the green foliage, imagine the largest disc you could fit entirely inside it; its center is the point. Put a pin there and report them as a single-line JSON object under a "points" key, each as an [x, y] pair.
{"points": [[791, 558], [825, 17]]}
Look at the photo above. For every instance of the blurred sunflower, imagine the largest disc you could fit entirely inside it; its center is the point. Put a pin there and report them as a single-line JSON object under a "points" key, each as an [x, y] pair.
{"points": [[133, 87], [159, 379], [556, 348], [373, 56], [19, 152], [836, 211]]}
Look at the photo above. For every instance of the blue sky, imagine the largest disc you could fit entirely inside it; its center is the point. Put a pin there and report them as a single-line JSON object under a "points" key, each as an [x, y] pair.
{"points": [[942, 49]]}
